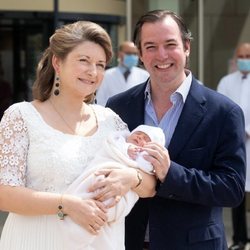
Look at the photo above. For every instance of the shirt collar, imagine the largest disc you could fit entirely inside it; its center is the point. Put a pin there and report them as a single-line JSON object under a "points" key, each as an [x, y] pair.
{"points": [[122, 68], [182, 90]]}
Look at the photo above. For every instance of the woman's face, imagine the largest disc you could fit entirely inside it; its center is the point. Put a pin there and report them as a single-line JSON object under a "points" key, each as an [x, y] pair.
{"points": [[82, 71], [138, 138]]}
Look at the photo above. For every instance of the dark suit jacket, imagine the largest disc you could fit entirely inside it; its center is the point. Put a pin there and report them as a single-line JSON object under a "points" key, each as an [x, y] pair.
{"points": [[207, 172]]}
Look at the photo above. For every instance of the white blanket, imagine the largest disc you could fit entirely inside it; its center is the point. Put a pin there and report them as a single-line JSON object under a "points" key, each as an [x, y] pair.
{"points": [[76, 237]]}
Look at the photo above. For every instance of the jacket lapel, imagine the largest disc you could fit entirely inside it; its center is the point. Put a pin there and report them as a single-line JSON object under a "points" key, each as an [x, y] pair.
{"points": [[193, 112], [135, 107]]}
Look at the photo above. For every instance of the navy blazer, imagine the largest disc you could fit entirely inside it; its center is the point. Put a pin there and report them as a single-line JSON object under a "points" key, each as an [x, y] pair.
{"points": [[207, 172]]}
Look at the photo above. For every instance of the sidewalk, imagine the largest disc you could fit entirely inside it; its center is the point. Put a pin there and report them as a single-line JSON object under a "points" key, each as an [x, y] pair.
{"points": [[228, 226]]}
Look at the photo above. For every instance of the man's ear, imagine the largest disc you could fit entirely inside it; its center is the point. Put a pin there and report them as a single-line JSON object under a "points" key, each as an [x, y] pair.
{"points": [[187, 48]]}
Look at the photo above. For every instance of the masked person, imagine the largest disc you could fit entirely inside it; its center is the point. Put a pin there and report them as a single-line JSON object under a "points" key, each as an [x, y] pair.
{"points": [[124, 76], [236, 86]]}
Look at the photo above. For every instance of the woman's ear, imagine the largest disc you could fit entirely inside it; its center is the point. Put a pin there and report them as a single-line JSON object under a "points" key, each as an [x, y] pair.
{"points": [[56, 64]]}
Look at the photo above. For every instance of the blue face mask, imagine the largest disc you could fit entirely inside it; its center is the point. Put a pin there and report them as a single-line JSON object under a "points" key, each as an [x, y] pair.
{"points": [[243, 65], [130, 61]]}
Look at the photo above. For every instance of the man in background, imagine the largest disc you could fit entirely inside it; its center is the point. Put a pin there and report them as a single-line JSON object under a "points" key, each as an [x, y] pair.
{"points": [[236, 86], [124, 76]]}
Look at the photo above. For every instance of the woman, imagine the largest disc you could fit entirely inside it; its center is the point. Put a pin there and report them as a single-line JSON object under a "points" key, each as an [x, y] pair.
{"points": [[45, 144]]}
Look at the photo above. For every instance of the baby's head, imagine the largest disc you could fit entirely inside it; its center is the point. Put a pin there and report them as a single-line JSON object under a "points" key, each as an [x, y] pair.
{"points": [[144, 133]]}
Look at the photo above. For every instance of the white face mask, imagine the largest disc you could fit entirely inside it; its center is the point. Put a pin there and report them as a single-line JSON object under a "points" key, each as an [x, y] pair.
{"points": [[243, 65]]}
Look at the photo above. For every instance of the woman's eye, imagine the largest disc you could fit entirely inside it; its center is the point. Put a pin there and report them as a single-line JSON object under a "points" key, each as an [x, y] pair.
{"points": [[101, 66], [83, 60]]}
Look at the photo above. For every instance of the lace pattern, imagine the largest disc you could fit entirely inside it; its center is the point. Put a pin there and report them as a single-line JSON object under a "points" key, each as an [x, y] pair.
{"points": [[37, 156], [13, 148]]}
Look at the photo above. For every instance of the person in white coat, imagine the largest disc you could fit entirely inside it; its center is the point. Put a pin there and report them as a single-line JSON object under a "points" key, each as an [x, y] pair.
{"points": [[124, 76], [237, 87]]}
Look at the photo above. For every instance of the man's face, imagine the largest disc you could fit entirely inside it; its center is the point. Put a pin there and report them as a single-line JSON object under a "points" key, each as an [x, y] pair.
{"points": [[129, 55], [163, 53], [243, 58], [243, 52]]}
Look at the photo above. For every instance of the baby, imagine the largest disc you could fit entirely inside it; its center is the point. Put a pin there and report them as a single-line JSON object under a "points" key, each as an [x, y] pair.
{"points": [[120, 150]]}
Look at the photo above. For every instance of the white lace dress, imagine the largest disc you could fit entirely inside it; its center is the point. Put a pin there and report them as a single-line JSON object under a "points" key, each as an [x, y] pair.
{"points": [[37, 156]]}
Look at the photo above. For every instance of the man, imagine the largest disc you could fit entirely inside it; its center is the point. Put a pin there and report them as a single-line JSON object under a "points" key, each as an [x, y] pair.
{"points": [[124, 76], [237, 87], [203, 168]]}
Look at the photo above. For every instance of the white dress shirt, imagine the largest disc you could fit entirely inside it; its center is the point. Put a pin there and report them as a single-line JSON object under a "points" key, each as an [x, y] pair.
{"points": [[114, 82], [237, 88]]}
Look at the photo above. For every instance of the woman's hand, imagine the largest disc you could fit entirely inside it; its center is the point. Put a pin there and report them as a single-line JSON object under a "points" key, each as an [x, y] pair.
{"points": [[158, 156], [89, 214], [117, 182]]}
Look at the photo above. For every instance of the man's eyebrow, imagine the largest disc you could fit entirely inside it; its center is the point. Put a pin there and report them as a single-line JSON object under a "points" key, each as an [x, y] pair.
{"points": [[166, 41]]}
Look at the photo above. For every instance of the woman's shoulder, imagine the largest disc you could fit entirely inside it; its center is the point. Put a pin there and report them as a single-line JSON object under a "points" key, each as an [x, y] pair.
{"points": [[14, 116], [16, 108], [109, 117], [103, 111]]}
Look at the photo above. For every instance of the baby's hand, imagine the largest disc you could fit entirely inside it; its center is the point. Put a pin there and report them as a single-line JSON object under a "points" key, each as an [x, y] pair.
{"points": [[132, 152]]}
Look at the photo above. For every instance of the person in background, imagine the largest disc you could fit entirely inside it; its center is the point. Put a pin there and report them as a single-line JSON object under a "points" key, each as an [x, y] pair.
{"points": [[202, 168], [47, 143], [236, 86], [123, 76]]}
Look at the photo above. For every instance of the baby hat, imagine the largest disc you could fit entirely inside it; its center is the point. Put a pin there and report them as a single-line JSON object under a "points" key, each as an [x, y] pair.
{"points": [[155, 134]]}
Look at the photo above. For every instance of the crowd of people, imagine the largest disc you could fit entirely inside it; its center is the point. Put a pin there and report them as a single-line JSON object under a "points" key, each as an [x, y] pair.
{"points": [[191, 138]]}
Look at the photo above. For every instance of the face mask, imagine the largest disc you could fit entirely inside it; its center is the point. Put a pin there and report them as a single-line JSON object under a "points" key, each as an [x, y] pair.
{"points": [[130, 61], [243, 64]]}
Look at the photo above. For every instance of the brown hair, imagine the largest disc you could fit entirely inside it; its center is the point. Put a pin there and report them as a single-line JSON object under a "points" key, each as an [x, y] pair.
{"points": [[61, 43], [158, 15]]}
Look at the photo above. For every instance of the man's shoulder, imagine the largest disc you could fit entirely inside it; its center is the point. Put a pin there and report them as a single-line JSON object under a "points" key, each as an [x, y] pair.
{"points": [[141, 71], [211, 97], [112, 70], [123, 98], [230, 77]]}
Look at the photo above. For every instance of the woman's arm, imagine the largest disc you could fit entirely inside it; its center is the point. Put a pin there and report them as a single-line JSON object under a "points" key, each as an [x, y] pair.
{"points": [[25, 201], [89, 214]]}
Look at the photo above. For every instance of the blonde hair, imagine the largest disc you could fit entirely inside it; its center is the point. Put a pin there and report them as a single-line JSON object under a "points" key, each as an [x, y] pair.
{"points": [[61, 43]]}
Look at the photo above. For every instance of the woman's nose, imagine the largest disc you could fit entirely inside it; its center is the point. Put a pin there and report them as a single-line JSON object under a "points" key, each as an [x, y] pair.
{"points": [[92, 70]]}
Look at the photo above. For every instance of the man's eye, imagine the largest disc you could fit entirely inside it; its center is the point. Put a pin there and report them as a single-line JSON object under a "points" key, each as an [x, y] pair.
{"points": [[150, 47]]}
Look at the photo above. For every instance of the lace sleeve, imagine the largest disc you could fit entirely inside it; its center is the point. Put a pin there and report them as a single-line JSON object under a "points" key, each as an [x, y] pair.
{"points": [[118, 123], [13, 148]]}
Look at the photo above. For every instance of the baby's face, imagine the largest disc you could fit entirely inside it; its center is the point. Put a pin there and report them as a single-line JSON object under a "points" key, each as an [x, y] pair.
{"points": [[138, 138]]}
